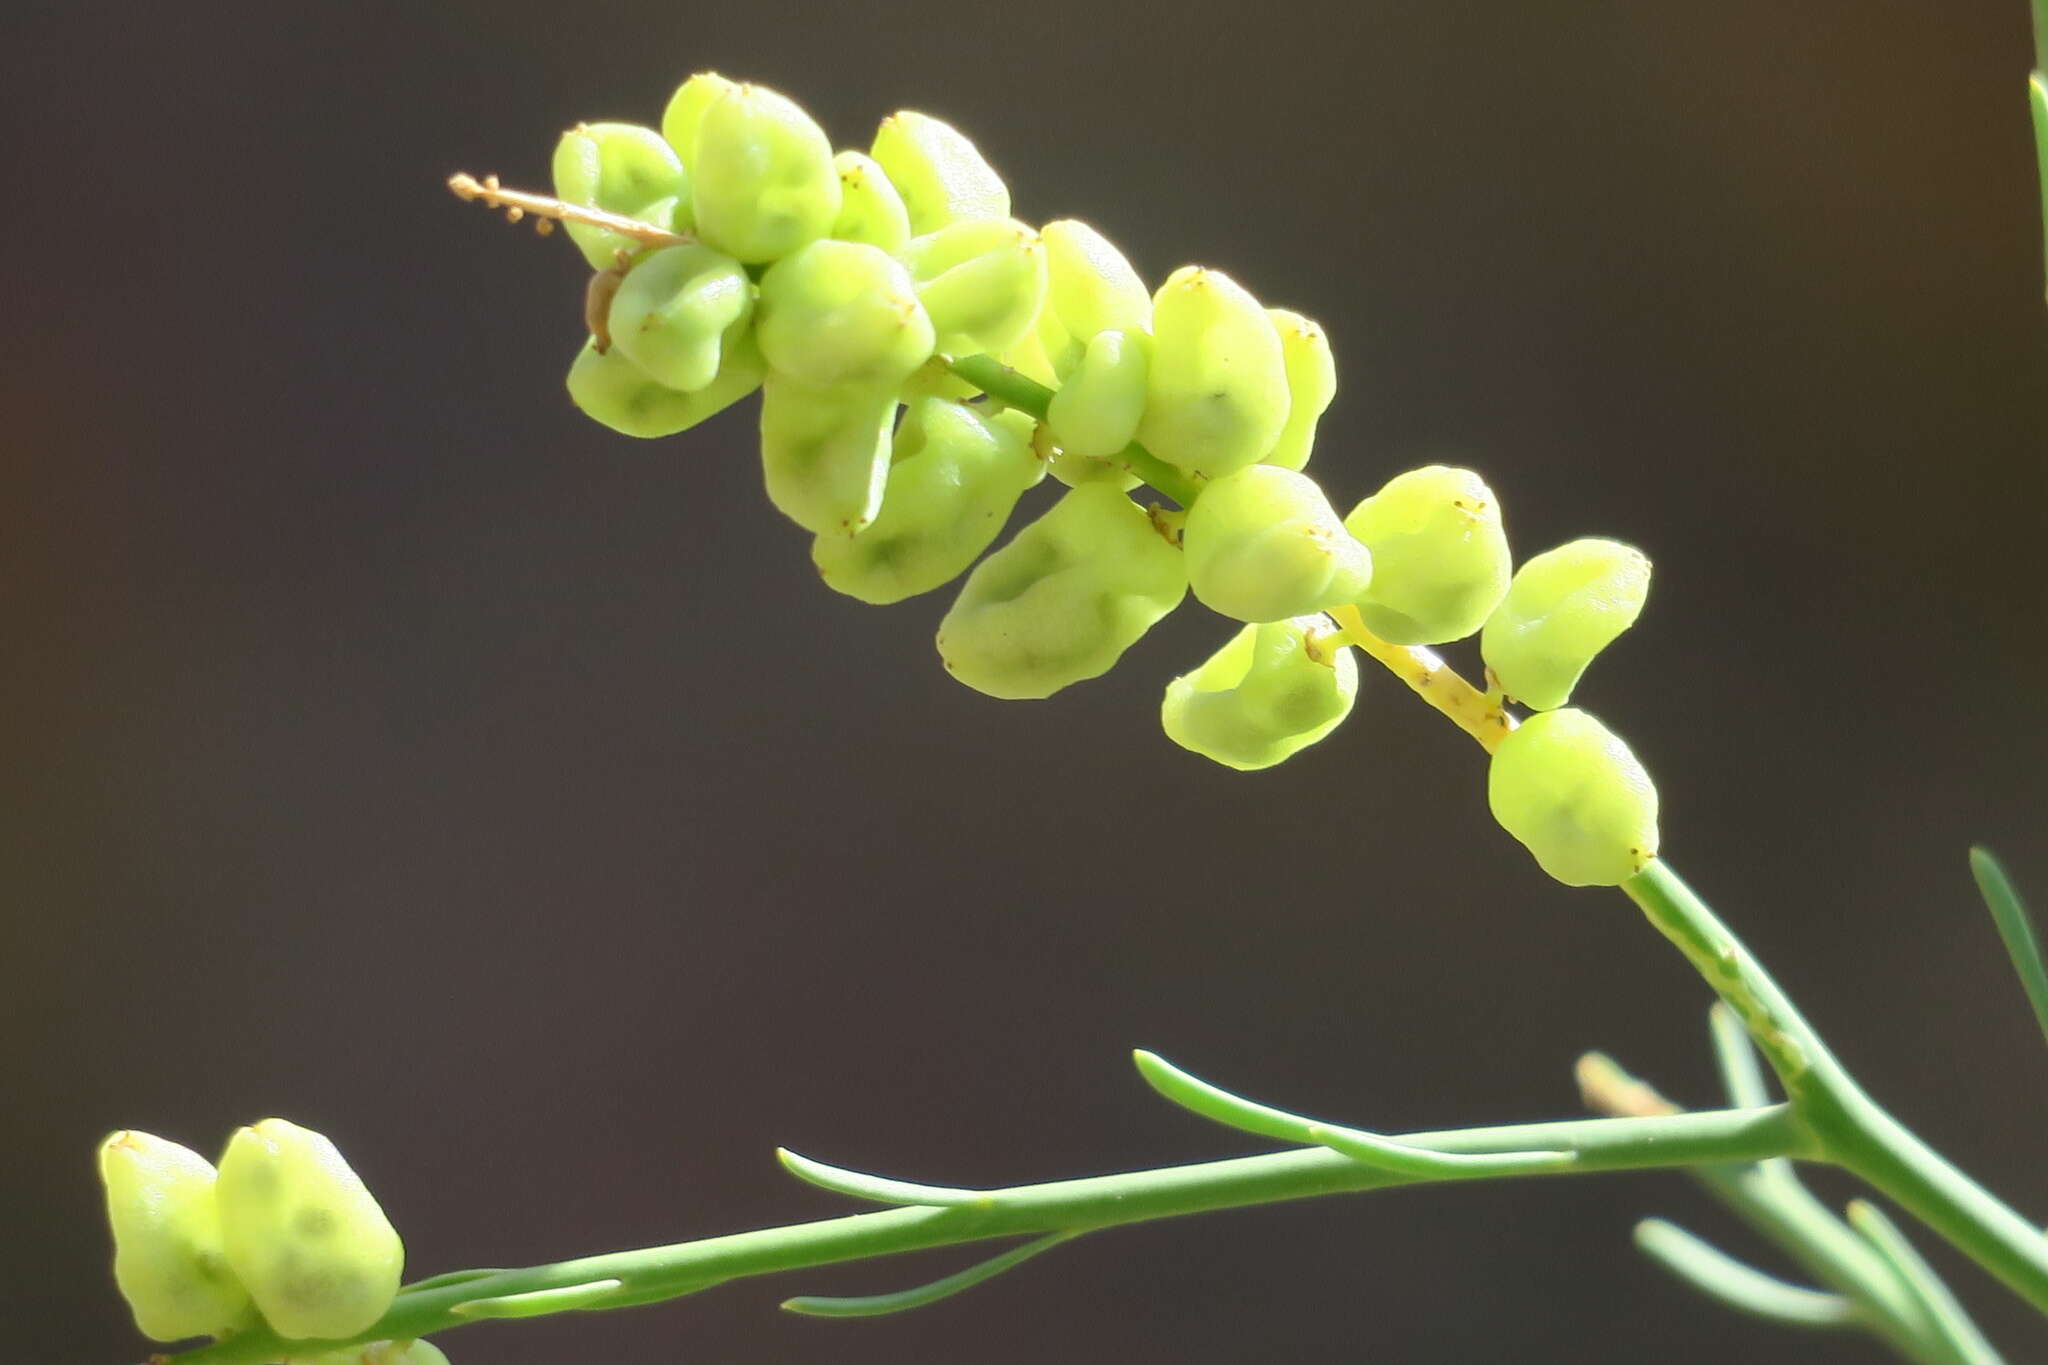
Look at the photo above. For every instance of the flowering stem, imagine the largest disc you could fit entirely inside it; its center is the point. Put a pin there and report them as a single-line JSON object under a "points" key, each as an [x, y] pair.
{"points": [[646, 1276]]}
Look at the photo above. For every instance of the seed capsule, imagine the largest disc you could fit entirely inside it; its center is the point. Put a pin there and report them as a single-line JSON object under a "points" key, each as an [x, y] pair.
{"points": [[939, 173], [621, 168], [1216, 397], [685, 114], [1263, 544], [764, 179], [870, 209], [1096, 412], [319, 1256], [676, 311], [825, 452], [614, 391], [982, 280], [843, 313], [1574, 794], [1091, 288], [1563, 607], [168, 1257], [1311, 384], [955, 478], [1064, 599], [1440, 558], [1264, 697]]}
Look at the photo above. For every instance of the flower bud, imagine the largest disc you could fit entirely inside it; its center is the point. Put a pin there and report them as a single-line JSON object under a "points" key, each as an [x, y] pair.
{"points": [[955, 479], [1096, 412], [1563, 607], [982, 280], [1091, 287], [685, 114], [168, 1258], [870, 209], [621, 168], [1216, 397], [842, 313], [319, 1257], [1064, 599], [1263, 544], [1268, 694], [1311, 384], [825, 451], [1440, 562], [677, 310], [613, 390], [1574, 794], [764, 179], [938, 172]]}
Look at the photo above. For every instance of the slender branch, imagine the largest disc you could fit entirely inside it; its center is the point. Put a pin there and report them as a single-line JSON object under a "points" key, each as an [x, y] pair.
{"points": [[1856, 1133], [518, 204], [1064, 1206]]}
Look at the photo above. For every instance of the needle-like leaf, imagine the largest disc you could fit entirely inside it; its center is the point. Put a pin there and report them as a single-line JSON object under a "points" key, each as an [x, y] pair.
{"points": [[2014, 928], [876, 1305], [1744, 1288], [879, 1189]]}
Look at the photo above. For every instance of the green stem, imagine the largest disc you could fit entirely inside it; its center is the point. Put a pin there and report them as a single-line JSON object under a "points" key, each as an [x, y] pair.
{"points": [[1729, 1135], [2041, 35], [1852, 1129], [1026, 394]]}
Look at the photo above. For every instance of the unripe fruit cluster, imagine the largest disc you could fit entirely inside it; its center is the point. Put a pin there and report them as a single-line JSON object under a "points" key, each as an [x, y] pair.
{"points": [[843, 286], [284, 1233]]}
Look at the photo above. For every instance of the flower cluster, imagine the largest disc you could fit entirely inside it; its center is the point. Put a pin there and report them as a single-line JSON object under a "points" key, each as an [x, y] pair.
{"points": [[283, 1233], [850, 287]]}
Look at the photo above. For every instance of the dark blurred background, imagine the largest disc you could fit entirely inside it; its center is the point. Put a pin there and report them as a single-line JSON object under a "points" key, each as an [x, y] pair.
{"points": [[388, 747]]}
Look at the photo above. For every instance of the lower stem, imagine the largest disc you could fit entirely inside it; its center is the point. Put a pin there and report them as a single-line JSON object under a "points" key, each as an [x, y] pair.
{"points": [[1738, 1135], [1852, 1129]]}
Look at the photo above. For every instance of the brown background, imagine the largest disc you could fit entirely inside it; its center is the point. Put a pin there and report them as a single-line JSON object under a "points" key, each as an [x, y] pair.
{"points": [[387, 747]]}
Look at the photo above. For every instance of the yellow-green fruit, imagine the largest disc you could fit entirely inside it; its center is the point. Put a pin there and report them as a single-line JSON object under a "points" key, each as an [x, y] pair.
{"points": [[764, 183], [614, 391], [1264, 697], [1563, 607], [1064, 599], [842, 313], [982, 280], [1216, 398], [168, 1258], [870, 210], [378, 1353], [1570, 790], [825, 451], [685, 114], [1091, 288], [1311, 384], [939, 173], [955, 477], [677, 310], [625, 169], [1096, 412], [317, 1253], [1263, 544], [1440, 562]]}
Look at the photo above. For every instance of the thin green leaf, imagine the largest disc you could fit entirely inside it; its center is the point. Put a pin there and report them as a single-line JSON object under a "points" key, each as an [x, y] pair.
{"points": [[1945, 1314], [444, 1281], [1744, 1288], [880, 1189], [877, 1305], [539, 1303], [2009, 913], [1234, 1111]]}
